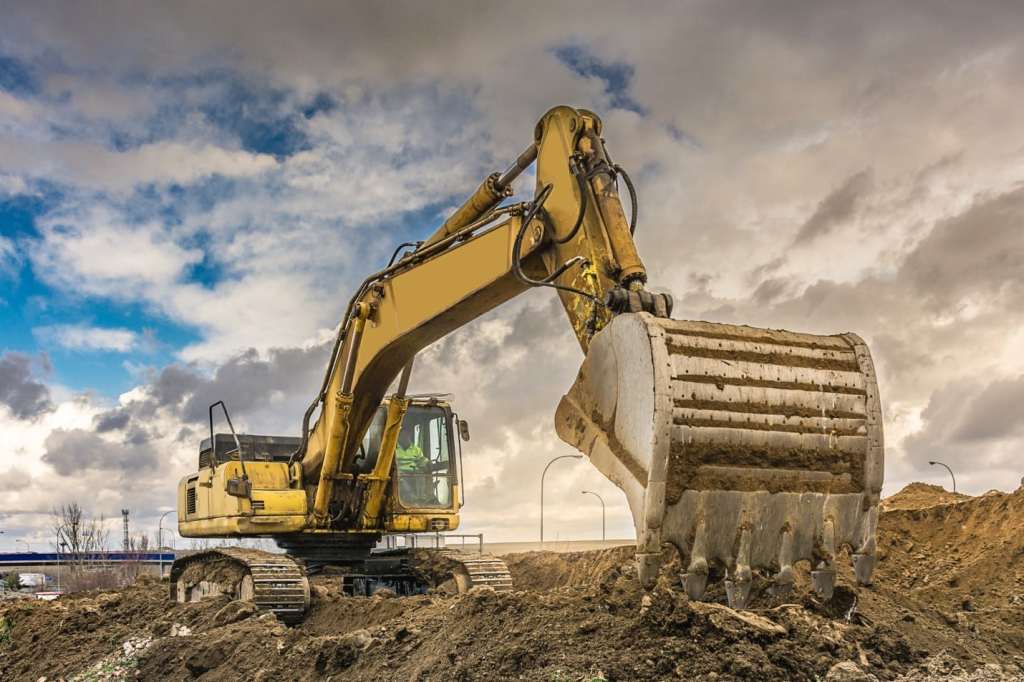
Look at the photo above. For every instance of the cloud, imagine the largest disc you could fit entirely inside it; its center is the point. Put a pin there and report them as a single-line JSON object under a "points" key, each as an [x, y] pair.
{"points": [[112, 420], [838, 207], [14, 108], [75, 450], [14, 479], [267, 392], [96, 252], [93, 166], [974, 259], [13, 185], [992, 414], [975, 428], [25, 397], [86, 338], [10, 259]]}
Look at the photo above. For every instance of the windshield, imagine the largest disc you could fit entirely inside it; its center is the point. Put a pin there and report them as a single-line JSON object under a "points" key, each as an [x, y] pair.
{"points": [[422, 459]]}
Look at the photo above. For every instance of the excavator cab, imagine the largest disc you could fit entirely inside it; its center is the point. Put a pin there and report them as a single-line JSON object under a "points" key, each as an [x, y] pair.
{"points": [[425, 455], [425, 493], [248, 483]]}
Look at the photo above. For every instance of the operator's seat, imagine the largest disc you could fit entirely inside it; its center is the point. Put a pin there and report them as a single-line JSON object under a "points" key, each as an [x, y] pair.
{"points": [[254, 448]]}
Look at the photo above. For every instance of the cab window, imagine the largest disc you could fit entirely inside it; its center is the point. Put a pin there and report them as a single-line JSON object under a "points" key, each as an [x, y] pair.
{"points": [[422, 459]]}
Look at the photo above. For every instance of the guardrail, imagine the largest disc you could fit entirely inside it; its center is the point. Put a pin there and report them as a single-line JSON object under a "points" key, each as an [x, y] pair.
{"points": [[14, 559], [479, 538]]}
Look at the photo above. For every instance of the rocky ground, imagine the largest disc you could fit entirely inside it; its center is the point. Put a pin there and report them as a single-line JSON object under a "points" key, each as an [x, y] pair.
{"points": [[948, 604]]}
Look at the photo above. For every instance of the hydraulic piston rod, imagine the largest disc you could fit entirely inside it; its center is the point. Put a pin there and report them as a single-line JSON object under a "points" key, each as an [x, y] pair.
{"points": [[490, 193]]}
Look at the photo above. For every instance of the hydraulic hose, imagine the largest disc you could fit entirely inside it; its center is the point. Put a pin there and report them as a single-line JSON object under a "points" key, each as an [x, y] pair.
{"points": [[517, 247]]}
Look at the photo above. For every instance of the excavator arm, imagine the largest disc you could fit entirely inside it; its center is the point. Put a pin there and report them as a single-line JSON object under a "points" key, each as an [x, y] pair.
{"points": [[573, 237], [747, 449]]}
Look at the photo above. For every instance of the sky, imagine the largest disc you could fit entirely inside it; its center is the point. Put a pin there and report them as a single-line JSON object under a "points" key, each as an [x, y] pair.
{"points": [[189, 193]]}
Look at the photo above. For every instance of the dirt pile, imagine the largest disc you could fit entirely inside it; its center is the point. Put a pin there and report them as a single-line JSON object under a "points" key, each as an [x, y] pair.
{"points": [[921, 495], [946, 605], [551, 570], [957, 567]]}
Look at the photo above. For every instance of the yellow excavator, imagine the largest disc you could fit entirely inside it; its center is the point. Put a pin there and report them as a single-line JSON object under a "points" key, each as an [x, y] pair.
{"points": [[747, 449]]}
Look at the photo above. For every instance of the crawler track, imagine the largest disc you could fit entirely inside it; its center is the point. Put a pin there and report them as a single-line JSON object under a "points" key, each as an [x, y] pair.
{"points": [[273, 582], [482, 570]]}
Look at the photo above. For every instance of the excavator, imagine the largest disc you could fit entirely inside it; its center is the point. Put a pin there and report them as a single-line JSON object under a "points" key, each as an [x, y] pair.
{"points": [[746, 449]]}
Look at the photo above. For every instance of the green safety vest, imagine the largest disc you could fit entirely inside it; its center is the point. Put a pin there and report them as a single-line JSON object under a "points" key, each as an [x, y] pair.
{"points": [[410, 458]]}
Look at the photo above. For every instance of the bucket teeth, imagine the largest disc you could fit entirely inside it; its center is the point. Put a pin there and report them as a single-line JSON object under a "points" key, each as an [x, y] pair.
{"points": [[784, 579], [696, 578], [863, 567], [782, 584], [647, 568], [695, 581], [737, 588], [824, 577], [824, 580], [737, 591], [864, 557]]}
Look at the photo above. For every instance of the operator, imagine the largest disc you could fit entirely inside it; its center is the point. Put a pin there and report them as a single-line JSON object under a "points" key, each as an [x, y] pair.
{"points": [[412, 468]]}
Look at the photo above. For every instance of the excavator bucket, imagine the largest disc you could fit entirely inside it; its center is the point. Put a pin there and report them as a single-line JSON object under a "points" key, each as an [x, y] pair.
{"points": [[748, 449]]}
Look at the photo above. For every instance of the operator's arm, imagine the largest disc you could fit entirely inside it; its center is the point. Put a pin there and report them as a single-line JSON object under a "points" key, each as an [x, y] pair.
{"points": [[573, 237]]}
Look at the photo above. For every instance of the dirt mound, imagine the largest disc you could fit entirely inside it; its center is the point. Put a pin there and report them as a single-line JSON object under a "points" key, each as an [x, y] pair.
{"points": [[948, 604], [921, 495], [962, 560], [550, 570]]}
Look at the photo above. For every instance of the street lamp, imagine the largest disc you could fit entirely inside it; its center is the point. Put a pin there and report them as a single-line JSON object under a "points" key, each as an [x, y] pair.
{"points": [[947, 469], [545, 473], [28, 547], [590, 492], [159, 540], [61, 546]]}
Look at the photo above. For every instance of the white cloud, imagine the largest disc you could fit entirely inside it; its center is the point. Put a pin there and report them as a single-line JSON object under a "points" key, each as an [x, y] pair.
{"points": [[101, 490], [91, 250], [14, 108], [12, 185], [9, 258], [105, 100], [86, 338], [94, 166]]}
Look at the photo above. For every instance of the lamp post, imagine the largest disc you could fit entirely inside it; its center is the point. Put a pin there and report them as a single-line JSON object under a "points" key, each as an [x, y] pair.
{"points": [[545, 473], [28, 548], [61, 546], [590, 492], [947, 469], [160, 540]]}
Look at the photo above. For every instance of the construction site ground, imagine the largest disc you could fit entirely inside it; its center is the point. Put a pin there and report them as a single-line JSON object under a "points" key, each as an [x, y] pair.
{"points": [[947, 604]]}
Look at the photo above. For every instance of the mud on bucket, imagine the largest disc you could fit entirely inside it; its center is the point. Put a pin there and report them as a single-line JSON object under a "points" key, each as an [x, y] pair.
{"points": [[745, 448]]}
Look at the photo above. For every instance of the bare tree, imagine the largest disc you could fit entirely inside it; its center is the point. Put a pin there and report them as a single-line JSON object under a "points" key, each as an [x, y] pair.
{"points": [[139, 543], [79, 537], [82, 541], [132, 566]]}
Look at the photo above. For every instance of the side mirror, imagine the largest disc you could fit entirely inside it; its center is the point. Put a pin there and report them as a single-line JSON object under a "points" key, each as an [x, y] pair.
{"points": [[464, 429]]}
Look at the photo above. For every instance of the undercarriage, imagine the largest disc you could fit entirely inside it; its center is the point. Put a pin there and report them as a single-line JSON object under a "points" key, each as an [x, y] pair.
{"points": [[279, 583]]}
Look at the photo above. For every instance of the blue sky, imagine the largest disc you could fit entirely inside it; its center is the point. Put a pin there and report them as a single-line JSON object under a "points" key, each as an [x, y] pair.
{"points": [[30, 304]]}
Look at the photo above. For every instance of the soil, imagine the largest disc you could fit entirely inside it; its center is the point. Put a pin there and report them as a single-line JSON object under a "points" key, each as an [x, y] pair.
{"points": [[947, 604], [921, 495]]}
